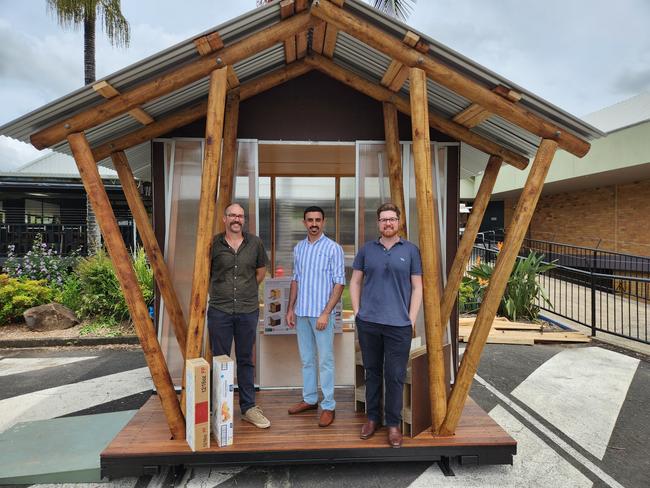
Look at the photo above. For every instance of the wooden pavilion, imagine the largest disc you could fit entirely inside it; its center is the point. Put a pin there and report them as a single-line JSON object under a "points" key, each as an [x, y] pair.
{"points": [[330, 70]]}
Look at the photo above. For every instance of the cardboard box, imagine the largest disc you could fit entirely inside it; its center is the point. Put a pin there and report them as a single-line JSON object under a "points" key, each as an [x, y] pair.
{"points": [[197, 403], [223, 369]]}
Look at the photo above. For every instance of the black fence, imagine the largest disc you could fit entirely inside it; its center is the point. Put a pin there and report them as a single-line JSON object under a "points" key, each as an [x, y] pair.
{"points": [[64, 239], [603, 290]]}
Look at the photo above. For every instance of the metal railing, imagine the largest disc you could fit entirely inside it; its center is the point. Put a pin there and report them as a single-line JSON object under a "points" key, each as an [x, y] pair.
{"points": [[605, 291], [65, 239]]}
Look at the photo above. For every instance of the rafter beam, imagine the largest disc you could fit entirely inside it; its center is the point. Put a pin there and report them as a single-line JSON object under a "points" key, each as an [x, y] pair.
{"points": [[441, 124], [475, 113], [396, 74], [446, 76], [106, 90], [198, 111], [172, 80]]}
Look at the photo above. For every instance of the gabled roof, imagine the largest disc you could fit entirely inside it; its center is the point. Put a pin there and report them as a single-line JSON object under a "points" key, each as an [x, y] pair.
{"points": [[348, 52], [627, 113]]}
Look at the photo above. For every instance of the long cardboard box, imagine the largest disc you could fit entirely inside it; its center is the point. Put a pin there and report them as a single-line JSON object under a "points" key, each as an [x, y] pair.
{"points": [[197, 403], [222, 399]]}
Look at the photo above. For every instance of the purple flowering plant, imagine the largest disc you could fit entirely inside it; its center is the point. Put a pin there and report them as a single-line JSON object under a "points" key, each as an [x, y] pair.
{"points": [[41, 262]]}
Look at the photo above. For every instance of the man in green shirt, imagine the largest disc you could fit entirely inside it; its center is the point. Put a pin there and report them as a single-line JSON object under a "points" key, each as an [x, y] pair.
{"points": [[238, 266]]}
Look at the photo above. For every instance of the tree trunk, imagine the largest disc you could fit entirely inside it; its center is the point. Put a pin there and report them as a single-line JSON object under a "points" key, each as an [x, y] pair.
{"points": [[89, 48]]}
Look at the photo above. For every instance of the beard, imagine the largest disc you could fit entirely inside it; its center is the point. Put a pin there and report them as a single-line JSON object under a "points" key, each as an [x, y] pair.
{"points": [[388, 232]]}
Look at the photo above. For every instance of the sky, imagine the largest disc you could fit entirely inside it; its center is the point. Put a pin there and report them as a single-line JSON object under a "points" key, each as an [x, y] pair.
{"points": [[581, 55]]}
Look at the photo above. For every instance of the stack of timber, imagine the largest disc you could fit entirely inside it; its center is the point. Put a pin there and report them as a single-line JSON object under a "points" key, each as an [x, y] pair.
{"points": [[505, 332], [416, 416]]}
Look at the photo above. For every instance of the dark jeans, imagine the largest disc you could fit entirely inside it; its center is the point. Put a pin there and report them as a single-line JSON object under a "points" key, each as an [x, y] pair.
{"points": [[384, 347], [243, 327]]}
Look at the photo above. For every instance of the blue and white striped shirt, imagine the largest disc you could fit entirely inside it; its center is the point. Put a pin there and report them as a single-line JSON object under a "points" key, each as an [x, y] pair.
{"points": [[317, 267]]}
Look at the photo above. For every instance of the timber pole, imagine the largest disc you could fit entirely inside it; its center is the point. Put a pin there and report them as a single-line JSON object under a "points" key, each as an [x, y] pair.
{"points": [[500, 275], [469, 236], [128, 282], [429, 247], [207, 203], [151, 247], [229, 158], [393, 150]]}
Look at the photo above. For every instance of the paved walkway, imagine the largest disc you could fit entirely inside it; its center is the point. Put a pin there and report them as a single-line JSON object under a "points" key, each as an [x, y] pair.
{"points": [[615, 313]]}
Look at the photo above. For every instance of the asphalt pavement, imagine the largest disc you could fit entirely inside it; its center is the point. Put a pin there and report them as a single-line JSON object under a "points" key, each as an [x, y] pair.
{"points": [[579, 415]]}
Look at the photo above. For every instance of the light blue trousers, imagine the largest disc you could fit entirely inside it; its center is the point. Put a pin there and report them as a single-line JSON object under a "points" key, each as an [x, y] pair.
{"points": [[316, 345]]}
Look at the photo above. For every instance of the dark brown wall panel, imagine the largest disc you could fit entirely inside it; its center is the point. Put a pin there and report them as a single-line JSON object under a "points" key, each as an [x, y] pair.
{"points": [[313, 107]]}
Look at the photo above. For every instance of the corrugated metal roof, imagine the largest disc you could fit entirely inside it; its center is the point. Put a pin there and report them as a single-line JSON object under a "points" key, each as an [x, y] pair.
{"points": [[349, 52]]}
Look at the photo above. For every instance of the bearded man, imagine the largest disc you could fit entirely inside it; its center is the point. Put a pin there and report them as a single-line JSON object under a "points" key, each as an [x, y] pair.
{"points": [[386, 293]]}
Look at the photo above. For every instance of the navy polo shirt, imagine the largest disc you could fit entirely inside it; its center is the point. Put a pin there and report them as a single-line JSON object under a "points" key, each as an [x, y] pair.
{"points": [[386, 292]]}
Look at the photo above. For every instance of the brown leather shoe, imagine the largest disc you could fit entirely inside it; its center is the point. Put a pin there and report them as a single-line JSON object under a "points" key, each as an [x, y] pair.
{"points": [[326, 418], [302, 407], [394, 437], [368, 429]]}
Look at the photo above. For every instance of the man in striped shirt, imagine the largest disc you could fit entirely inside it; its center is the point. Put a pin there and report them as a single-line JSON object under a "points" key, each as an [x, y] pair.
{"points": [[318, 281]]}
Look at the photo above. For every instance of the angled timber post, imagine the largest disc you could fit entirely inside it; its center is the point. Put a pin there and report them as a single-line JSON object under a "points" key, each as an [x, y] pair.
{"points": [[469, 236], [429, 246], [229, 157], [207, 203], [128, 282], [502, 269], [226, 175], [394, 152], [151, 247]]}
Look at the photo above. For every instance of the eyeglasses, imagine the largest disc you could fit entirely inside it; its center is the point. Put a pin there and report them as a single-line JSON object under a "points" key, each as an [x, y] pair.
{"points": [[235, 216], [392, 220]]}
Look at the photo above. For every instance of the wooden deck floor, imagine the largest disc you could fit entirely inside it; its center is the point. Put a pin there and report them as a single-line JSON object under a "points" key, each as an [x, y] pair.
{"points": [[145, 442]]}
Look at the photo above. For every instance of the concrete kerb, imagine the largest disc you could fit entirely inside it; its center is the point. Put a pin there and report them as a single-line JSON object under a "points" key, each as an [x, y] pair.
{"points": [[67, 341]]}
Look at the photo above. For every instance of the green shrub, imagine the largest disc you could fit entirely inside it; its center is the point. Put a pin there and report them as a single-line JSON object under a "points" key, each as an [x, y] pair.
{"points": [[17, 295], [70, 293], [100, 294], [522, 290]]}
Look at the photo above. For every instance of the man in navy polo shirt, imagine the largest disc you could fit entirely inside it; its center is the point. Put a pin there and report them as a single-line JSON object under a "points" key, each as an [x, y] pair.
{"points": [[386, 293]]}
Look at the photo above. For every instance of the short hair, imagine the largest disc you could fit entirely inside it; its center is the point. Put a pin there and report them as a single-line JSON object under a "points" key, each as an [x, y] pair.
{"points": [[313, 208], [225, 210], [388, 206]]}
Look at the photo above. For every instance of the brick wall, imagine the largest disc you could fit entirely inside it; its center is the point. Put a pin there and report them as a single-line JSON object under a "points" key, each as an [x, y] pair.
{"points": [[615, 218]]}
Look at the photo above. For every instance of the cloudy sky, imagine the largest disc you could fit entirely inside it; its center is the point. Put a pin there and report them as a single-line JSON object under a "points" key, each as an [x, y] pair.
{"points": [[581, 55]]}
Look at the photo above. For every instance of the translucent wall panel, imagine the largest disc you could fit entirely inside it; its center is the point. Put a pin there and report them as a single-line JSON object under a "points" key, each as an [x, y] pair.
{"points": [[292, 196], [373, 188], [184, 181], [245, 193]]}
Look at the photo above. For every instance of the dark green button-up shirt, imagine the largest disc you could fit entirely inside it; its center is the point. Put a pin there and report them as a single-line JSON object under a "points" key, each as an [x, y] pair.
{"points": [[233, 287]]}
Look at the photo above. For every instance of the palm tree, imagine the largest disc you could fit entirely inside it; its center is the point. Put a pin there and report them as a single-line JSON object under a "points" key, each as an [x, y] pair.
{"points": [[400, 9], [74, 13]]}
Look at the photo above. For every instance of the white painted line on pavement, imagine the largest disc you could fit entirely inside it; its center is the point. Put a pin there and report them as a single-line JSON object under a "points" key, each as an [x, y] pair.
{"points": [[581, 392], [607, 479], [25, 365], [535, 465], [66, 399]]}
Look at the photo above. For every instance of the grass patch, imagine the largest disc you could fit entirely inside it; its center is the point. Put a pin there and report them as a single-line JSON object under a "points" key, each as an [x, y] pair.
{"points": [[105, 327]]}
